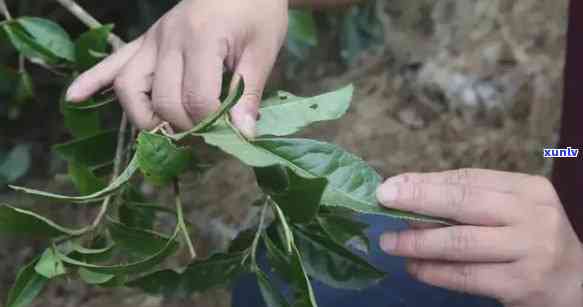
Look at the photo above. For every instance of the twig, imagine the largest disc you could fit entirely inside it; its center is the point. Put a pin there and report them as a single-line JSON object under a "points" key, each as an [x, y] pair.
{"points": [[116, 43], [258, 234], [89, 20], [4, 9], [117, 164], [180, 219]]}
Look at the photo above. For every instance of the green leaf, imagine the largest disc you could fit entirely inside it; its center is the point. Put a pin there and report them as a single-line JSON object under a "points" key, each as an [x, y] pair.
{"points": [[94, 278], [91, 151], [351, 182], [27, 287], [135, 216], [302, 27], [278, 259], [159, 159], [94, 254], [85, 180], [81, 123], [285, 114], [50, 265], [17, 221], [112, 188], [299, 199], [16, 164], [142, 265], [345, 231], [286, 233], [302, 33], [271, 296], [40, 40], [217, 271], [25, 88], [90, 43], [165, 283], [226, 106], [50, 36], [138, 241], [340, 268], [242, 241], [304, 293]]}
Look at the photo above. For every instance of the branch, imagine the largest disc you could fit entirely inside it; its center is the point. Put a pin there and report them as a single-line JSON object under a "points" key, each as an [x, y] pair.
{"points": [[89, 20], [116, 43], [180, 219], [4, 9], [117, 164]]}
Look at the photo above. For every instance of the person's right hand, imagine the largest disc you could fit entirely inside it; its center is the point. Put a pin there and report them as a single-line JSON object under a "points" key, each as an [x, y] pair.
{"points": [[173, 72]]}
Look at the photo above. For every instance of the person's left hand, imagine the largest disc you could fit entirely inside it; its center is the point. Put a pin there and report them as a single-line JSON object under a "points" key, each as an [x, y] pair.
{"points": [[514, 242]]}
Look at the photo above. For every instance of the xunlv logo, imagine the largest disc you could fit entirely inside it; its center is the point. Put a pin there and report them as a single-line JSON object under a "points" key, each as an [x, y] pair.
{"points": [[561, 153]]}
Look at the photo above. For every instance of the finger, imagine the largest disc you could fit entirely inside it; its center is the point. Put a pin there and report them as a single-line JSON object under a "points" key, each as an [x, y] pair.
{"points": [[504, 182], [133, 85], [167, 90], [459, 243], [254, 67], [102, 74], [460, 203], [481, 279], [203, 79]]}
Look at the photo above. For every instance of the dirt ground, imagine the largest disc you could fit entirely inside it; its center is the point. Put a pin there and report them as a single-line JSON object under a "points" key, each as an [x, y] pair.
{"points": [[458, 83]]}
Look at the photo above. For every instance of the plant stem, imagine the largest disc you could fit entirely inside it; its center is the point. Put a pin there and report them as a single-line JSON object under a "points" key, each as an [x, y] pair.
{"points": [[117, 164], [89, 20], [180, 219], [4, 9], [258, 234], [116, 43]]}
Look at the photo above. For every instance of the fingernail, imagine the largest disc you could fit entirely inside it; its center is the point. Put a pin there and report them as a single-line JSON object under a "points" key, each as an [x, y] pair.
{"points": [[388, 242], [247, 126], [71, 92], [387, 192]]}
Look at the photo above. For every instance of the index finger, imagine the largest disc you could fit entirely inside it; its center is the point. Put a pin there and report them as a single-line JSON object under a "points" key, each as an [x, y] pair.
{"points": [[464, 204]]}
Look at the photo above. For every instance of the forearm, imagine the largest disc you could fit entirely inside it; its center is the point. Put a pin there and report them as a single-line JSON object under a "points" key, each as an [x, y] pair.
{"points": [[320, 4]]}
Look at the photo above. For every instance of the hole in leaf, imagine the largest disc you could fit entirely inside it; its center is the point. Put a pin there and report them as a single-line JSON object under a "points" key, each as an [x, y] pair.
{"points": [[283, 97], [314, 106]]}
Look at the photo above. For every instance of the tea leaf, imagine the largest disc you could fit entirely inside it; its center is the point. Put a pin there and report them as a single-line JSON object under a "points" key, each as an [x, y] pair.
{"points": [[90, 151], [285, 114], [271, 296], [345, 231], [27, 287], [340, 268], [112, 188], [40, 40], [217, 271], [142, 265], [49, 265], [299, 199], [139, 241], [351, 182], [159, 159], [88, 44], [17, 221]]}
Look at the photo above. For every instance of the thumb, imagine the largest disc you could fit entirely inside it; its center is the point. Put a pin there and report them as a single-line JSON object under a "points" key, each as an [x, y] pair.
{"points": [[102, 74], [254, 68]]}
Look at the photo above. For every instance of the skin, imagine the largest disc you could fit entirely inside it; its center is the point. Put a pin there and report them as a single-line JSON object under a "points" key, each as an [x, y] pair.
{"points": [[180, 61], [513, 241]]}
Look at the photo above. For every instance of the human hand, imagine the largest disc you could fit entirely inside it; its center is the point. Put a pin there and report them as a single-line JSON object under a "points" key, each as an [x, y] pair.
{"points": [[514, 243], [173, 72]]}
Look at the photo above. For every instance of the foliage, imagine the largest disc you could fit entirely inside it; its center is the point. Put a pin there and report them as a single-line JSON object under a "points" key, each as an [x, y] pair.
{"points": [[311, 190]]}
